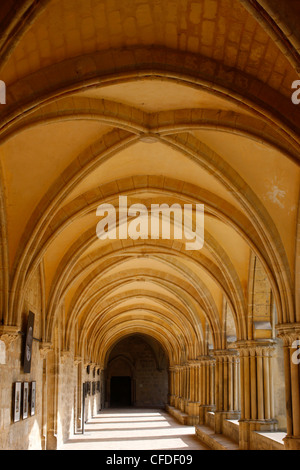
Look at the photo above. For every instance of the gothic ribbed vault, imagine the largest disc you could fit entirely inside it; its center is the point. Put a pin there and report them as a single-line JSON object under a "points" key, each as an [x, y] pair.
{"points": [[165, 102]]}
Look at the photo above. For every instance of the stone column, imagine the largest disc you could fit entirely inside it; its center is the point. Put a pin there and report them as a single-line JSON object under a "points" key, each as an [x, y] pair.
{"points": [[290, 334], [52, 395], [78, 422], [44, 349], [257, 410], [192, 407], [172, 388], [176, 386], [206, 386], [181, 387], [183, 391], [186, 394], [226, 387]]}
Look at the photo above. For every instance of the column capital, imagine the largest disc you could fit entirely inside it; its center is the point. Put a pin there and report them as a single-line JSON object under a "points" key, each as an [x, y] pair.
{"points": [[288, 332], [252, 347], [225, 353], [45, 348], [193, 362], [65, 355], [8, 334], [206, 359]]}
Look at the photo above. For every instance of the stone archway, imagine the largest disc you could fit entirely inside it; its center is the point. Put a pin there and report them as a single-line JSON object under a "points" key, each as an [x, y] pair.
{"points": [[136, 373]]}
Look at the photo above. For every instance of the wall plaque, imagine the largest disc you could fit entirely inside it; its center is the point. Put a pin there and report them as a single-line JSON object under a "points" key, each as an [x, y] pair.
{"points": [[28, 343]]}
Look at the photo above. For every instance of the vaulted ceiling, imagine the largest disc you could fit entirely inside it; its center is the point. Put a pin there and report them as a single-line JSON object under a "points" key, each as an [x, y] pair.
{"points": [[162, 101]]}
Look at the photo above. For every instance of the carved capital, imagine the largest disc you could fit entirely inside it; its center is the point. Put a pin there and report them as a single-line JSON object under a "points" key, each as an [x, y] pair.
{"points": [[225, 353], [254, 347], [206, 359], [65, 355], [45, 348], [288, 332], [193, 363], [8, 334]]}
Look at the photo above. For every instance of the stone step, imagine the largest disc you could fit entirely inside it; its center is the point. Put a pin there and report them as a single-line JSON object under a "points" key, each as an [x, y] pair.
{"points": [[180, 416], [215, 441]]}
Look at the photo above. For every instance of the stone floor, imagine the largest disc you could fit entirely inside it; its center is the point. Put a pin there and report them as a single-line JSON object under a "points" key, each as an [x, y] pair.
{"points": [[135, 429]]}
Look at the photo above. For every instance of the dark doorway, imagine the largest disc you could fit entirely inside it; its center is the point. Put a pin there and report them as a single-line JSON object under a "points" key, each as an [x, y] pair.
{"points": [[120, 391]]}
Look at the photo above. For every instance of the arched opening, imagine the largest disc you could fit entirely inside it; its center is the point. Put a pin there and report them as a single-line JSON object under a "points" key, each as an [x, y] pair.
{"points": [[136, 373], [120, 391]]}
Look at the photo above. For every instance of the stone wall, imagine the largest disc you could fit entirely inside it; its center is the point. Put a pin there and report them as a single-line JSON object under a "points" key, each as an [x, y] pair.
{"points": [[58, 410], [26, 433], [261, 309], [151, 384], [67, 398]]}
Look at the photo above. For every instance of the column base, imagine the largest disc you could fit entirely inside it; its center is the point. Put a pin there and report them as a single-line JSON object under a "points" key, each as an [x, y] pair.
{"points": [[220, 416], [182, 404], [203, 410], [179, 403], [291, 443], [192, 410], [172, 400], [79, 425], [247, 426], [51, 443]]}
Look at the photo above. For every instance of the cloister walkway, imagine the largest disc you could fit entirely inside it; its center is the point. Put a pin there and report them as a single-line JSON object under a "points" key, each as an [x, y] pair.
{"points": [[135, 429]]}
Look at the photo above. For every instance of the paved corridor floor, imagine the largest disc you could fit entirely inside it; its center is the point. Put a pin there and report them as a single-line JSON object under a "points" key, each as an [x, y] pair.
{"points": [[135, 429]]}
